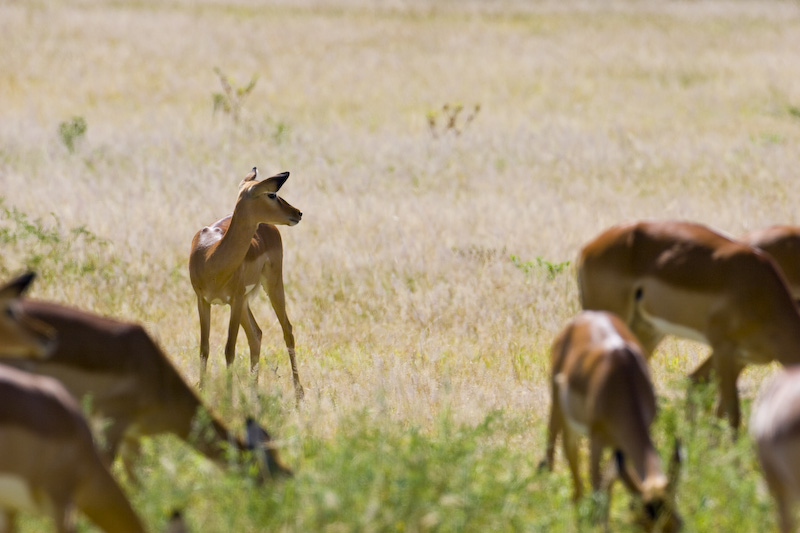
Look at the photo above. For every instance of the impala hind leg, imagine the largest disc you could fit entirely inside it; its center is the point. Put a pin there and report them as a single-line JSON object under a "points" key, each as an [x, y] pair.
{"points": [[204, 311], [237, 310], [254, 334], [277, 297]]}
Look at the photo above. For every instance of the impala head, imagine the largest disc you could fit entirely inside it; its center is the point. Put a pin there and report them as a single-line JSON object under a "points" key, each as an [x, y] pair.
{"points": [[260, 442], [21, 336], [260, 200], [656, 510]]}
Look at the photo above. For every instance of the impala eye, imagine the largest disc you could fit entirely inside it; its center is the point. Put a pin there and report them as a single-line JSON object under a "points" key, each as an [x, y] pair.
{"points": [[272, 195]]}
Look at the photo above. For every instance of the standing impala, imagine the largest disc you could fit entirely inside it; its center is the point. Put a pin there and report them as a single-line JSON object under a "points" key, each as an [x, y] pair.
{"points": [[684, 279], [775, 426], [233, 256], [48, 461], [783, 244], [601, 388], [132, 383]]}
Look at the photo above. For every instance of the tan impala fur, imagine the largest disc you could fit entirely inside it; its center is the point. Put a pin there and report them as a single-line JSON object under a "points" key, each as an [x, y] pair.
{"points": [[775, 426], [233, 256], [601, 388], [782, 243], [131, 382], [685, 279]]}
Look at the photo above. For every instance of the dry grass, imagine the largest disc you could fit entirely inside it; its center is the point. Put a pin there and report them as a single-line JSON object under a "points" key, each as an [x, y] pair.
{"points": [[400, 281]]}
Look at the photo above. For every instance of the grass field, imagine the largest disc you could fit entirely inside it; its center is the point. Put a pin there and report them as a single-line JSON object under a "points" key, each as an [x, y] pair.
{"points": [[434, 263]]}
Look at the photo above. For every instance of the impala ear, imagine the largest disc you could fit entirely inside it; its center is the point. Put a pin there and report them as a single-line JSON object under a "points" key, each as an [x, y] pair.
{"points": [[256, 435], [260, 442], [15, 287], [272, 184]]}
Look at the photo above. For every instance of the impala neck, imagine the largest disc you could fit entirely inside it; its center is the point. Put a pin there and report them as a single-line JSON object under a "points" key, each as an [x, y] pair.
{"points": [[646, 463], [230, 251], [212, 439]]}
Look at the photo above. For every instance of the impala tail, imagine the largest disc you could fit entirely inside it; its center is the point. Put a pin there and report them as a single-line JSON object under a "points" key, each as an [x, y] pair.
{"points": [[20, 335]]}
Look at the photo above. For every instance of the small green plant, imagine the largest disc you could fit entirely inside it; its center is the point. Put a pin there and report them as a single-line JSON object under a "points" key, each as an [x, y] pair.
{"points": [[449, 119], [72, 131], [231, 99], [552, 269], [46, 248]]}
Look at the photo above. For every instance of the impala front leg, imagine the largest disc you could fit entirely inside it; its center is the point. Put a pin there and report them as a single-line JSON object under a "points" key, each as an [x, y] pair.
{"points": [[570, 441], [253, 333], [278, 299], [728, 370], [553, 430], [237, 307]]}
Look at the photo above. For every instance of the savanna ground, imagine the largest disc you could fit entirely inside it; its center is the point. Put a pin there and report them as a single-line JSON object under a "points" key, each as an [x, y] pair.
{"points": [[434, 264]]}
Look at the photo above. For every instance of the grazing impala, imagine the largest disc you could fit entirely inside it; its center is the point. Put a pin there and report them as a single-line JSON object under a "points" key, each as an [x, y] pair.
{"points": [[685, 279], [783, 244], [132, 383], [601, 388], [775, 426], [233, 256], [48, 461]]}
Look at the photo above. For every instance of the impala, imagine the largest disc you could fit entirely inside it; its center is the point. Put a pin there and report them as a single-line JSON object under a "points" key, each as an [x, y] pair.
{"points": [[48, 461], [685, 279], [775, 426], [231, 257], [133, 384], [601, 388], [783, 244], [20, 335]]}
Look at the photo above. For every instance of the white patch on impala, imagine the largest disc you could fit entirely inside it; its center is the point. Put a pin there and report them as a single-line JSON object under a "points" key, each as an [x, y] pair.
{"points": [[607, 336]]}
